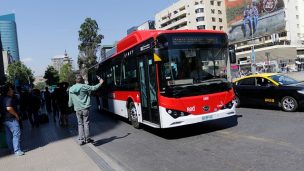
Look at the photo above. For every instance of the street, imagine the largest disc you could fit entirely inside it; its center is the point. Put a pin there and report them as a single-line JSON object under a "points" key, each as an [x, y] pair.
{"points": [[263, 140]]}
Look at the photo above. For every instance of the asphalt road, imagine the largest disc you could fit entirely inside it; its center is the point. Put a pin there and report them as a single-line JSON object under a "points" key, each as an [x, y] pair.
{"points": [[262, 140]]}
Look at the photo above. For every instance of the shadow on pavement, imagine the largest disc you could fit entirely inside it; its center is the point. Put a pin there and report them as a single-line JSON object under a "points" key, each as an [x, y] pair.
{"points": [[33, 138], [195, 129], [107, 140]]}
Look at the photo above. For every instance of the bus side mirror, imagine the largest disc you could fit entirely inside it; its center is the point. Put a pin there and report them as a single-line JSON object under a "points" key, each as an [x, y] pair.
{"points": [[232, 55]]}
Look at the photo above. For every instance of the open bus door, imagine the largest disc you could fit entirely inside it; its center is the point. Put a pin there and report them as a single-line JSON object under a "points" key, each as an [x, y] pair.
{"points": [[148, 90]]}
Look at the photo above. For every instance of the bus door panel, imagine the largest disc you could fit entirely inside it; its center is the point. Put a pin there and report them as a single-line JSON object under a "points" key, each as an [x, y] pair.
{"points": [[148, 90]]}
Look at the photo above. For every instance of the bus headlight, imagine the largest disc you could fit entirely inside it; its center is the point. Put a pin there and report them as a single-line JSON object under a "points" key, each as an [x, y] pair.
{"points": [[175, 113], [228, 105]]}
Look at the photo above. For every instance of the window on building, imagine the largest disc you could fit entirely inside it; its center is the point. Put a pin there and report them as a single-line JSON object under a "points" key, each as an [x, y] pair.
{"points": [[212, 2], [200, 19], [201, 27], [212, 11], [196, 3], [219, 3], [221, 27], [219, 12], [199, 10], [182, 8], [297, 16], [220, 20], [213, 19], [214, 27]]}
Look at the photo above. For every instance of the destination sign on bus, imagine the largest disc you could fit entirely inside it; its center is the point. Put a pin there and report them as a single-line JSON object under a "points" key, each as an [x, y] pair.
{"points": [[194, 40]]}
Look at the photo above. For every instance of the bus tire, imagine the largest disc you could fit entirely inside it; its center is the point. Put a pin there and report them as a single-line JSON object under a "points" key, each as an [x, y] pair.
{"points": [[237, 101], [132, 113]]}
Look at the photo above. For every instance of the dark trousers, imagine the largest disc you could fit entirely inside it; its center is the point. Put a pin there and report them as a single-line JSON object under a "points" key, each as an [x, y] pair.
{"points": [[33, 117]]}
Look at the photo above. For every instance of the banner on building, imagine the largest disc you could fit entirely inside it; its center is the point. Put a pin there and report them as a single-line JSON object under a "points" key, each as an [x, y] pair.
{"points": [[248, 19]]}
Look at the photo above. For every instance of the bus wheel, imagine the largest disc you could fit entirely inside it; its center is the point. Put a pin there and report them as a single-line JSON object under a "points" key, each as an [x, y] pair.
{"points": [[289, 104], [132, 112], [237, 101]]}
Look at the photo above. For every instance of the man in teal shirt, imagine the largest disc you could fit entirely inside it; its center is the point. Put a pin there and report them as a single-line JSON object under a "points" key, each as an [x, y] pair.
{"points": [[79, 97]]}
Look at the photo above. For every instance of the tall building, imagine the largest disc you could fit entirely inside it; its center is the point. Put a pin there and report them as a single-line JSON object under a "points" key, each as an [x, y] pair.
{"points": [[9, 38], [60, 60], [2, 76], [193, 14], [268, 34]]}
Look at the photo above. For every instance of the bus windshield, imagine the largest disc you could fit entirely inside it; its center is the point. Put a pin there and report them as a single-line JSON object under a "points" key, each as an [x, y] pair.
{"points": [[193, 59]]}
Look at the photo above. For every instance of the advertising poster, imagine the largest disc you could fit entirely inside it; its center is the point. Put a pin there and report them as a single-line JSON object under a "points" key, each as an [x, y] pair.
{"points": [[254, 18]]}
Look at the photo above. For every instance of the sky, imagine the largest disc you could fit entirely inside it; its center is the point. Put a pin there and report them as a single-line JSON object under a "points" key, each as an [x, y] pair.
{"points": [[46, 28]]}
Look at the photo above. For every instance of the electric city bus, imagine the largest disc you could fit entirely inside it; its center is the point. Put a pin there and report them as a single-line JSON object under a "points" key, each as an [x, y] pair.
{"points": [[168, 78]]}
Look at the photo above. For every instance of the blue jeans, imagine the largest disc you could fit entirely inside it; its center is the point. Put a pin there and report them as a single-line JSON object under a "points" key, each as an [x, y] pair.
{"points": [[13, 135], [249, 21]]}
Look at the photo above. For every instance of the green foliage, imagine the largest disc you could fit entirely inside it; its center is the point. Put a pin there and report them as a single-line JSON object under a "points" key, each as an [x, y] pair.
{"points": [[89, 43], [40, 85], [19, 71], [66, 74], [52, 76]]}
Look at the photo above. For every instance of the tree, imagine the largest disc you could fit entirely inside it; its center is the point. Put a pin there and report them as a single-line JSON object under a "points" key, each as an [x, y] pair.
{"points": [[89, 44], [40, 85], [19, 73], [66, 74], [52, 76]]}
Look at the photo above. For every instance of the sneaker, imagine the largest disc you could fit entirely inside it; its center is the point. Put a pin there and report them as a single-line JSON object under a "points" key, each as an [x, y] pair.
{"points": [[89, 140], [19, 153], [82, 143]]}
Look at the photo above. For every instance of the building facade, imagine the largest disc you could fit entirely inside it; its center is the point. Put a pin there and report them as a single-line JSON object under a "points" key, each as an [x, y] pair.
{"points": [[60, 60], [268, 34], [193, 14], [9, 38], [2, 76]]}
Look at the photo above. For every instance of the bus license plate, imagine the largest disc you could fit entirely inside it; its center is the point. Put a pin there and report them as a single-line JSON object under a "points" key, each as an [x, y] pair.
{"points": [[206, 118]]}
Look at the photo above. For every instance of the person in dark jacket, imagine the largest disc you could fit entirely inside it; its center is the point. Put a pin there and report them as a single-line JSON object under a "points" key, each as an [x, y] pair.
{"points": [[55, 109], [10, 120], [48, 100], [63, 99], [34, 107]]}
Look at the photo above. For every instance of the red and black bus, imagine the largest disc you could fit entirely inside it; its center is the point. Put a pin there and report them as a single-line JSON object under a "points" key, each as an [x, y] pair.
{"points": [[168, 78]]}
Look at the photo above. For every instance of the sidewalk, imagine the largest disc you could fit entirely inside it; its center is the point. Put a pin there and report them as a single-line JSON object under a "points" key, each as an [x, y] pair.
{"points": [[296, 75], [48, 147]]}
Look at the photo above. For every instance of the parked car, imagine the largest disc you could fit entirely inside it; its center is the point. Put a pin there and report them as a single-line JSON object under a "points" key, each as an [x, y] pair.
{"points": [[269, 89]]}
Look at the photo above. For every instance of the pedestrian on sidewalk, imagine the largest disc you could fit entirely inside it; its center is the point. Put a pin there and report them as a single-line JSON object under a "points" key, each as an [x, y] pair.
{"points": [[34, 108], [11, 120], [55, 107], [63, 99], [48, 101], [79, 97]]}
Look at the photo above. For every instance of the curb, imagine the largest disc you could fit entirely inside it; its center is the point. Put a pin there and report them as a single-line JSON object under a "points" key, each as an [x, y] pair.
{"points": [[103, 160]]}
